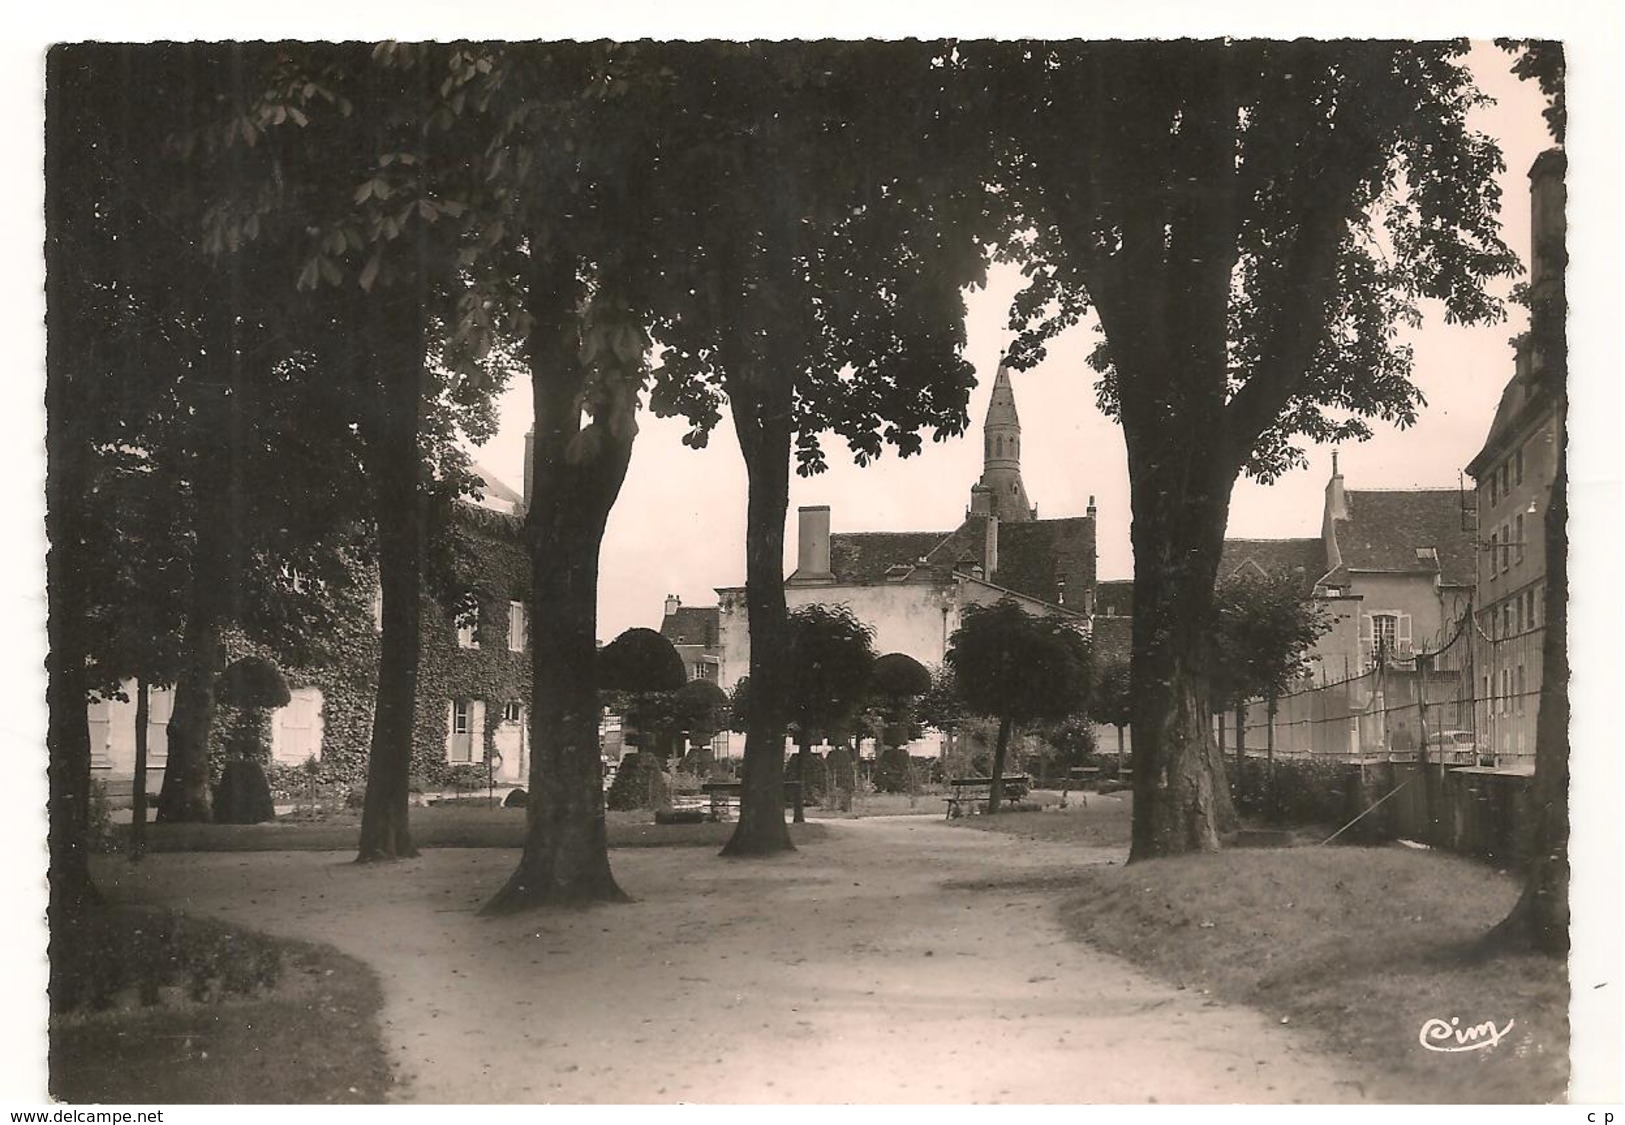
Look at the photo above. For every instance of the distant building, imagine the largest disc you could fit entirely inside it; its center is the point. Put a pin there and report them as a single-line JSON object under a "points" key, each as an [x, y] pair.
{"points": [[473, 675], [1513, 474], [912, 587], [695, 633]]}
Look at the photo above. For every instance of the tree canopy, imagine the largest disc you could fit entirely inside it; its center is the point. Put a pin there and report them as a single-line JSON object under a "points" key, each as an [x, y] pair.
{"points": [[1017, 668]]}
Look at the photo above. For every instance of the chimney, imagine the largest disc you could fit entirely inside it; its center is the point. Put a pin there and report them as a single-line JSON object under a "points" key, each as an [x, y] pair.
{"points": [[1337, 501], [1089, 512], [812, 545], [530, 469], [990, 557], [673, 602]]}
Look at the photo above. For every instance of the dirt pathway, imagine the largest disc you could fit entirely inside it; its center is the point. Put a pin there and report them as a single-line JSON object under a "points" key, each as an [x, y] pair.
{"points": [[898, 960]]}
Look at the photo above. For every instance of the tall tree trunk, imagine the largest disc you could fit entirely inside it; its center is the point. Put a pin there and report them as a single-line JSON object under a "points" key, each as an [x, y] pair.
{"points": [[1241, 736], [67, 453], [1181, 505], [1540, 919], [764, 433], [184, 797], [395, 464], [803, 752], [138, 792], [995, 792], [576, 477]]}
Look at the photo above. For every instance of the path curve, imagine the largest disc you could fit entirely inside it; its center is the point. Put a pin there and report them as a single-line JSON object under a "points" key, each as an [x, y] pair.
{"points": [[896, 960]]}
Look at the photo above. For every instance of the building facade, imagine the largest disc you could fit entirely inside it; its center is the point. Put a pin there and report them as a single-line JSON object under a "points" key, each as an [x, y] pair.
{"points": [[1513, 475]]}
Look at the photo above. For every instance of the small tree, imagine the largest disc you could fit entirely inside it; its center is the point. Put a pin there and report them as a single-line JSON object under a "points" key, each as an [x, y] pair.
{"points": [[700, 709], [639, 670], [1111, 702], [252, 687], [941, 707], [831, 657], [1018, 669], [1264, 629]]}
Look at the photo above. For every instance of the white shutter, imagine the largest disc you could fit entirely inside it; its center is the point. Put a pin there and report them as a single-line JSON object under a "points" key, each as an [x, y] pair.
{"points": [[516, 626], [1367, 641], [476, 731], [451, 725], [1403, 636]]}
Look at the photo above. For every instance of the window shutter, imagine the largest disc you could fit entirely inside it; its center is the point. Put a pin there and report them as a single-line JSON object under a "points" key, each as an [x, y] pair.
{"points": [[1403, 634], [451, 725], [476, 731], [1367, 642]]}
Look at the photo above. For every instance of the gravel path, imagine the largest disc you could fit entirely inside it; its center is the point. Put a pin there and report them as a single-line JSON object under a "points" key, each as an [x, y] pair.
{"points": [[898, 960]]}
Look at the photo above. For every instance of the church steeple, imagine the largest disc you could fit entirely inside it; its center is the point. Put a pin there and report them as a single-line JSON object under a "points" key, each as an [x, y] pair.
{"points": [[1000, 491]]}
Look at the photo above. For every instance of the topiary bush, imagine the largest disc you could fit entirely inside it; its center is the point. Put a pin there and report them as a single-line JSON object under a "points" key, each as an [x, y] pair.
{"points": [[639, 784], [841, 776], [243, 794], [891, 773], [815, 781]]}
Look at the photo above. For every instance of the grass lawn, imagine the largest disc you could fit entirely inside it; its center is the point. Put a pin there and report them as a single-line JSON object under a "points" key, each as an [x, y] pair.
{"points": [[1362, 945], [453, 826], [1104, 823], [311, 1039]]}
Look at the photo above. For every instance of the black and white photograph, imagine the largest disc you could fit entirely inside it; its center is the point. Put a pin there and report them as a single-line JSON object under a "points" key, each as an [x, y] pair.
{"points": [[906, 562]]}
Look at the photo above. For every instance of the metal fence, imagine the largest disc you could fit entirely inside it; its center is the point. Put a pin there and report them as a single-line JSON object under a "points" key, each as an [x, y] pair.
{"points": [[1473, 701]]}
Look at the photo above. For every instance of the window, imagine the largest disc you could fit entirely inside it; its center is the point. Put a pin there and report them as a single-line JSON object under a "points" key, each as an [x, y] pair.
{"points": [[516, 626], [465, 730], [459, 717], [1518, 683], [1506, 690], [1492, 490], [378, 610], [1534, 604], [1517, 536], [1506, 547], [1506, 477], [1495, 550], [1506, 619], [468, 634], [1384, 631], [511, 712], [1517, 466], [1522, 600]]}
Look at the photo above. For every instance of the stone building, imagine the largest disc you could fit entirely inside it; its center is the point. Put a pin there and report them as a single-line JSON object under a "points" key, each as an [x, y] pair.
{"points": [[1513, 475]]}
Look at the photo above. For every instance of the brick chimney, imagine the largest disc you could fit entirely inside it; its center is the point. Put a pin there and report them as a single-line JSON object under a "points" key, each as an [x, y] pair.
{"points": [[990, 553], [812, 545], [530, 470]]}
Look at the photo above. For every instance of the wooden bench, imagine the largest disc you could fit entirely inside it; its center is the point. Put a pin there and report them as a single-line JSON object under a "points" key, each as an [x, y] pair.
{"points": [[724, 796], [1076, 779], [971, 790]]}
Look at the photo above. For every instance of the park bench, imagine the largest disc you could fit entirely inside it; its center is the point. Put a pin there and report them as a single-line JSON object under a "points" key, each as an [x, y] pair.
{"points": [[1078, 778], [723, 796], [971, 791]]}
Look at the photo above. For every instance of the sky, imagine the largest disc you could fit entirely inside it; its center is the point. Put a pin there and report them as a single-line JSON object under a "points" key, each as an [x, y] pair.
{"points": [[679, 525]]}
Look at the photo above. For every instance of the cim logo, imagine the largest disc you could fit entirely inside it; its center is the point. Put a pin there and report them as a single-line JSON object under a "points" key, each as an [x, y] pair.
{"points": [[1450, 1037]]}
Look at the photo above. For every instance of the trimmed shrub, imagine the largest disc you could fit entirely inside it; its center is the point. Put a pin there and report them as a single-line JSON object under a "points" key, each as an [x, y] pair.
{"points": [[516, 799], [243, 795], [815, 781], [891, 774], [639, 784]]}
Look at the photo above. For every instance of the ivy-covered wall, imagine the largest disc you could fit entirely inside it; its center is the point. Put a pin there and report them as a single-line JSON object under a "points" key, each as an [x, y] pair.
{"points": [[492, 570]]}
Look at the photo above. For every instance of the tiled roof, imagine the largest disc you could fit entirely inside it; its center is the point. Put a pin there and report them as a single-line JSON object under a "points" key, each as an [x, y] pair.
{"points": [[1115, 597], [863, 558], [692, 625], [1112, 639], [492, 493], [1305, 558], [1036, 558], [1385, 529]]}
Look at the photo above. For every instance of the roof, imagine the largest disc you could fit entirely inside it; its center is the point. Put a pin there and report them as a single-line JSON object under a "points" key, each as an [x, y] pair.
{"points": [[492, 493], [1522, 404], [1305, 558], [1115, 597], [864, 558], [1044, 558], [1385, 530], [692, 625]]}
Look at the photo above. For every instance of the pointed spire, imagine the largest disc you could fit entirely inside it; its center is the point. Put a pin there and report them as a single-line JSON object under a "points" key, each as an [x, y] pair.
{"points": [[1000, 491]]}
